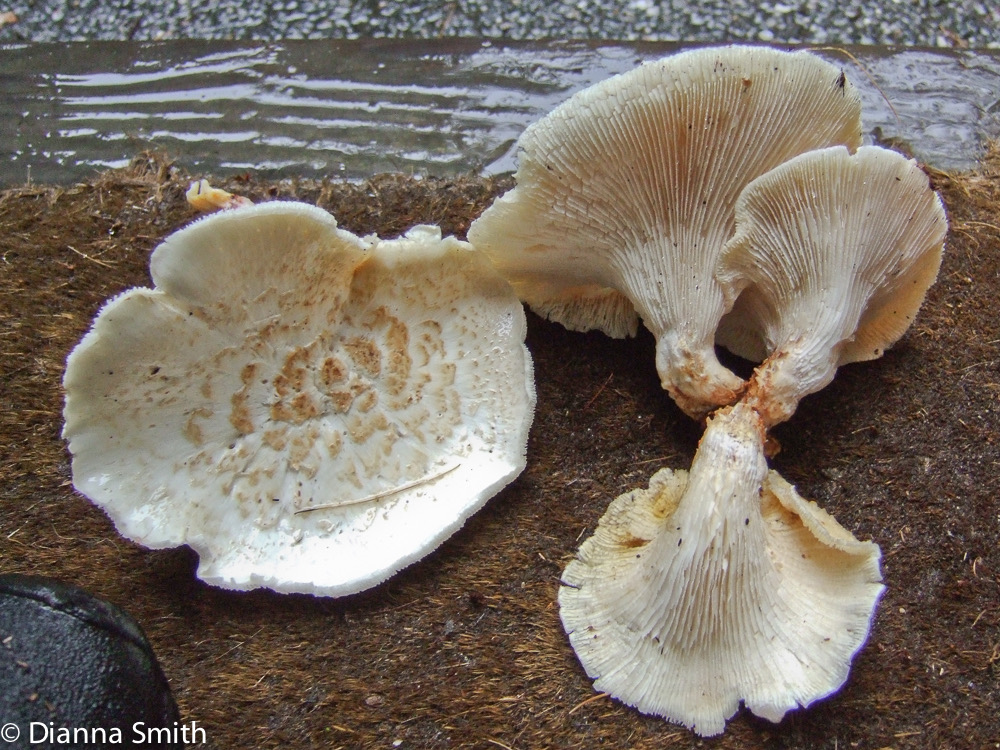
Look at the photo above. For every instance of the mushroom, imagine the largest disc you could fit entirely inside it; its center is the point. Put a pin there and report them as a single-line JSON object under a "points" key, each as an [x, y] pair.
{"points": [[833, 254], [309, 410], [625, 196], [717, 586]]}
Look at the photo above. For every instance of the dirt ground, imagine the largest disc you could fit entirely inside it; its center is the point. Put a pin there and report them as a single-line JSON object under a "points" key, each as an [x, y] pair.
{"points": [[465, 648]]}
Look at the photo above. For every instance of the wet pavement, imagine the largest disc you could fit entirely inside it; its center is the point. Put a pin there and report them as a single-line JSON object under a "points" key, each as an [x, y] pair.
{"points": [[350, 108]]}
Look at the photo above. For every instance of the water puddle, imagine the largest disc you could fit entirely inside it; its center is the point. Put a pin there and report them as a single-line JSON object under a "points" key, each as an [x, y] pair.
{"points": [[351, 109]]}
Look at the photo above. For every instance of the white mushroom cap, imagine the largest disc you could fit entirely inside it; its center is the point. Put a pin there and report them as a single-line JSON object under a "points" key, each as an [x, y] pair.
{"points": [[282, 364], [717, 586], [625, 196], [836, 252]]}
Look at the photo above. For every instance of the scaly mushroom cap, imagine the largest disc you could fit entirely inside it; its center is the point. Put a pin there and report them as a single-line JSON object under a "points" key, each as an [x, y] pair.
{"points": [[836, 252], [717, 586], [308, 410], [625, 196]]}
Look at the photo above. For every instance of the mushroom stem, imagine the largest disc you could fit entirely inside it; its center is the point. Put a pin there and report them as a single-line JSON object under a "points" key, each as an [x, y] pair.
{"points": [[784, 378], [717, 586], [693, 376]]}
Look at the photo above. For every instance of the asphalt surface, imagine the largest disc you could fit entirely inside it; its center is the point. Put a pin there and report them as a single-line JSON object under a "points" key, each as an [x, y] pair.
{"points": [[922, 23]]}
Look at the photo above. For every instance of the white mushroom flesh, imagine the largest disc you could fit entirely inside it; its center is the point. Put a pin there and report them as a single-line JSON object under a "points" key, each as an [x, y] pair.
{"points": [[625, 196], [836, 252], [719, 586], [282, 364]]}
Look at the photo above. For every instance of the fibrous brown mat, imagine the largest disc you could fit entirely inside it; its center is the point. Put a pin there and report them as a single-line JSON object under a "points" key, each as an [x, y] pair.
{"points": [[465, 648]]}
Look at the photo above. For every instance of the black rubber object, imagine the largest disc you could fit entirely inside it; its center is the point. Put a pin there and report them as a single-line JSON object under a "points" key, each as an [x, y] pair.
{"points": [[70, 660]]}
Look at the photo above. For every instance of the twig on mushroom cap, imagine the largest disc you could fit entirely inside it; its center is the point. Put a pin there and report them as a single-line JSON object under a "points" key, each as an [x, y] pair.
{"points": [[833, 254], [379, 495], [625, 196], [719, 586], [282, 364]]}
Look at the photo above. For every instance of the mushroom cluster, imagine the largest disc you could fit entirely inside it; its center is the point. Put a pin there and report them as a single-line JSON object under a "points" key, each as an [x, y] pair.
{"points": [[626, 194], [722, 196], [311, 410]]}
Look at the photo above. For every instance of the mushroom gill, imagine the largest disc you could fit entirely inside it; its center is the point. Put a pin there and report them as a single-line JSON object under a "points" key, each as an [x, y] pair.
{"points": [[832, 257], [717, 586], [625, 196], [723, 585]]}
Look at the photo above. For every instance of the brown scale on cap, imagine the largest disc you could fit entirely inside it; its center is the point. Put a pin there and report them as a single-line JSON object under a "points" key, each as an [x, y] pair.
{"points": [[325, 408]]}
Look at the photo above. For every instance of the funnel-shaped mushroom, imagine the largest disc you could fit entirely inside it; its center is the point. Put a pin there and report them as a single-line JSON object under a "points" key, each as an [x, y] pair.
{"points": [[625, 196], [717, 586], [308, 410], [836, 252]]}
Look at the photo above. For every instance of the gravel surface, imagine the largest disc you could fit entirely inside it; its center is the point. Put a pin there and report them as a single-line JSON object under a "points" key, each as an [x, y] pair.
{"points": [[927, 23]]}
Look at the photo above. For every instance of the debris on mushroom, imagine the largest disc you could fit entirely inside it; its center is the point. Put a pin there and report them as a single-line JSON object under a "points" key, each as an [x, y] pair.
{"points": [[719, 586], [625, 196], [310, 411], [833, 254], [201, 196]]}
